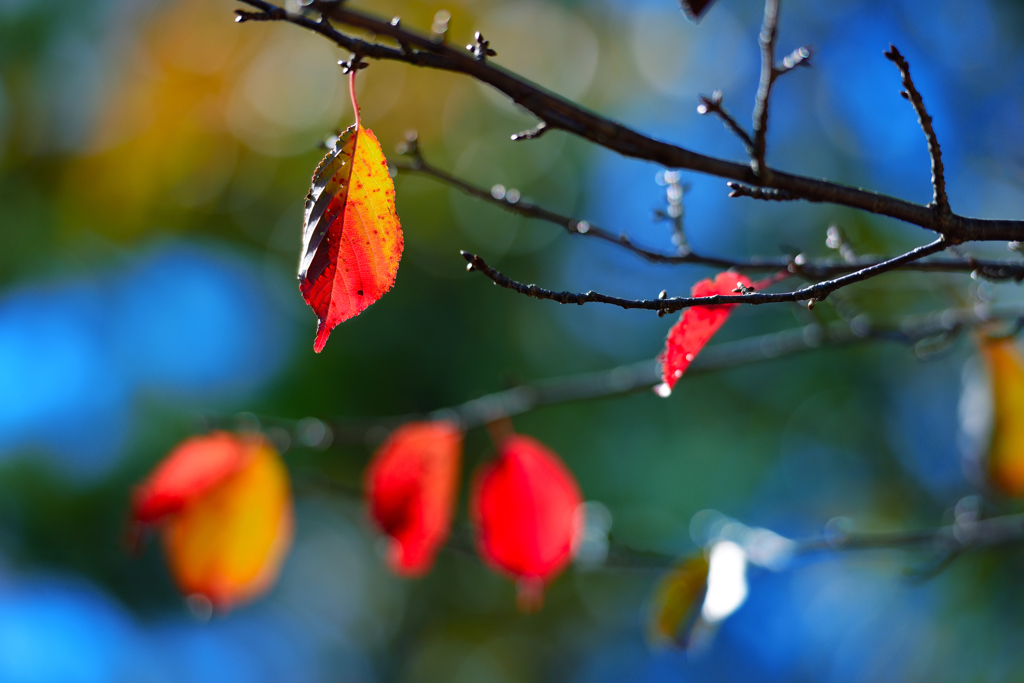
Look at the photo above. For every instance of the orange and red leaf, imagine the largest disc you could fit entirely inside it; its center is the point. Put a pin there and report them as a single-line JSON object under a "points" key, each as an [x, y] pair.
{"points": [[410, 486], [696, 325], [526, 509], [224, 509], [351, 237], [191, 469]]}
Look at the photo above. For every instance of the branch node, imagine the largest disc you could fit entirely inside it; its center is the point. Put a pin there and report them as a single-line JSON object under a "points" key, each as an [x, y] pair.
{"points": [[532, 133], [440, 26], [713, 105], [797, 58], [765, 194], [481, 48]]}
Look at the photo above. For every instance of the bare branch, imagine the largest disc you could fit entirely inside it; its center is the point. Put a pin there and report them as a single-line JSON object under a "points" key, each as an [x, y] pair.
{"points": [[557, 112], [812, 293], [812, 270], [939, 199], [644, 375], [713, 105], [767, 39]]}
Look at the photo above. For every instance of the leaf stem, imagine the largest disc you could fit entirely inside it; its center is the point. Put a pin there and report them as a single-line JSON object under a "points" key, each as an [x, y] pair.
{"points": [[352, 93]]}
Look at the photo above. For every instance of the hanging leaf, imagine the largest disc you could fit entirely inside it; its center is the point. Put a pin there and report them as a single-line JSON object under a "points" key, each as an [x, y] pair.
{"points": [[351, 238], [526, 507], [226, 526], [677, 602], [695, 327], [410, 488], [695, 9], [1006, 449]]}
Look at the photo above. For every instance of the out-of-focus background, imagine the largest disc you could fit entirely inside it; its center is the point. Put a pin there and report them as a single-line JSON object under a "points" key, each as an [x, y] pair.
{"points": [[154, 157]]}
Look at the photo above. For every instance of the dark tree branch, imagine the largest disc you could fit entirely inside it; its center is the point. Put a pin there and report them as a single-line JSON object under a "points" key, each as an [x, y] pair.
{"points": [[767, 39], [557, 112], [815, 292], [812, 270], [939, 199]]}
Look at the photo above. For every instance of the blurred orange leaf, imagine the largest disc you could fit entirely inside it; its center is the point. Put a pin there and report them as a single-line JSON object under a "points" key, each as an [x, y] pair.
{"points": [[1006, 450], [351, 237], [223, 503], [410, 488], [695, 328]]}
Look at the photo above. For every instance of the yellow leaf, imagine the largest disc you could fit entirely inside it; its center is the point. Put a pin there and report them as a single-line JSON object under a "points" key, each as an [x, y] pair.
{"points": [[1006, 450], [229, 543], [677, 602]]}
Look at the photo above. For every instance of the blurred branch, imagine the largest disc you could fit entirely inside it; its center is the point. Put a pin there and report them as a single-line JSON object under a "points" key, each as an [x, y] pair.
{"points": [[811, 293], [557, 112], [644, 375], [946, 542], [812, 270], [939, 199]]}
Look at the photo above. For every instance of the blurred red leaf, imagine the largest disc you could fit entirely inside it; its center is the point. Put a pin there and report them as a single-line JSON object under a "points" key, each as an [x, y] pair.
{"points": [[526, 506], [695, 327], [351, 237], [191, 469], [410, 487], [224, 509]]}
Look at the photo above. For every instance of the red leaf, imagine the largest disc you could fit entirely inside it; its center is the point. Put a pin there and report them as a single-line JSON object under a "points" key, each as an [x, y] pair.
{"points": [[695, 327], [526, 506], [194, 467], [351, 238], [411, 485]]}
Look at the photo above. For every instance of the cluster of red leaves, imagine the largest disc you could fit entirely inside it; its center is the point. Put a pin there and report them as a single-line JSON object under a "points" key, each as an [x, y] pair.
{"points": [[222, 501], [525, 505], [696, 326]]}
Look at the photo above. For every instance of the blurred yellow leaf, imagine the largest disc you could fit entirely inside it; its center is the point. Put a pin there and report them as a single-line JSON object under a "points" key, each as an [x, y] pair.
{"points": [[227, 544], [1006, 450], [677, 602]]}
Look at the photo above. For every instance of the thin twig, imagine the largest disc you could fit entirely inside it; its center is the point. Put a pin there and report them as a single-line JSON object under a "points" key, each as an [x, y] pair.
{"points": [[557, 112], [939, 199], [713, 105], [815, 292], [813, 270], [767, 39]]}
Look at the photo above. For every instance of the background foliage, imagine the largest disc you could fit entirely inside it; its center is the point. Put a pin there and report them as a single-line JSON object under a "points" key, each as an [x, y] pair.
{"points": [[154, 158]]}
